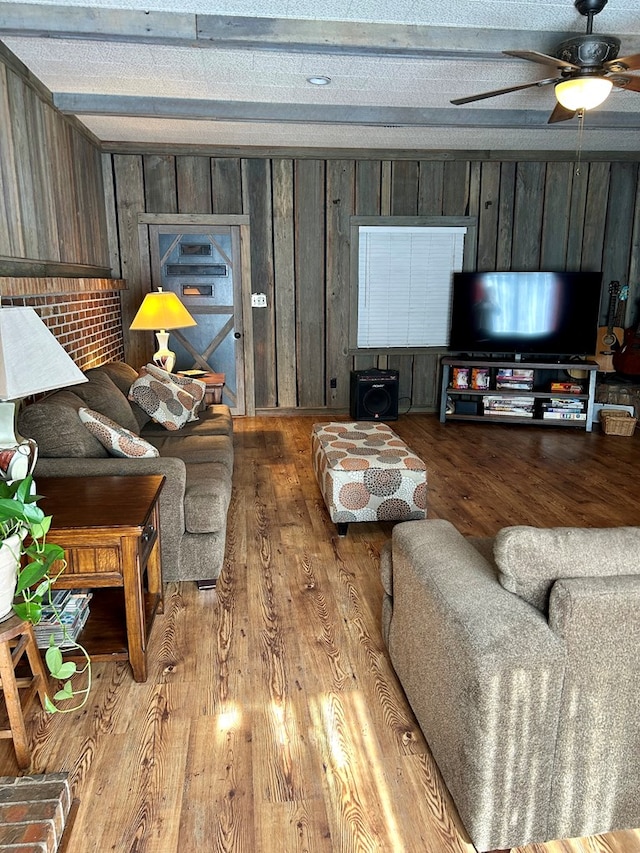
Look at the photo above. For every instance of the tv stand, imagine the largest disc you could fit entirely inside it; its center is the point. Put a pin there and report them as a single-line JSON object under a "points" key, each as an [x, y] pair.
{"points": [[470, 403]]}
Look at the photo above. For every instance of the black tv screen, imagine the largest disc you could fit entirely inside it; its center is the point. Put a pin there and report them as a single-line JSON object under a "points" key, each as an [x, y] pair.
{"points": [[529, 313]]}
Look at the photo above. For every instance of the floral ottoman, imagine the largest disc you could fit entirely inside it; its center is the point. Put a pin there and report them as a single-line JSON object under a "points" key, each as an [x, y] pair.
{"points": [[367, 473]]}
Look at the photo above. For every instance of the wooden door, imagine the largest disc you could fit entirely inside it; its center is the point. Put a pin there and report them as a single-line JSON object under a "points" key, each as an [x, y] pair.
{"points": [[201, 264]]}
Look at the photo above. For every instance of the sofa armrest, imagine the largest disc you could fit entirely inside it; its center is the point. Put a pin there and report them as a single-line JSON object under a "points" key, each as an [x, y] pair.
{"points": [[483, 673], [171, 504], [597, 618]]}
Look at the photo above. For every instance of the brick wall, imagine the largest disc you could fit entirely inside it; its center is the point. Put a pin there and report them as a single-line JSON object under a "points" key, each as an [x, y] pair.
{"points": [[88, 324]]}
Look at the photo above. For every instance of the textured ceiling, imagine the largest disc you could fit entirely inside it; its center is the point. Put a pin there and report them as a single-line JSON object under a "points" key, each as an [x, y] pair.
{"points": [[147, 73]]}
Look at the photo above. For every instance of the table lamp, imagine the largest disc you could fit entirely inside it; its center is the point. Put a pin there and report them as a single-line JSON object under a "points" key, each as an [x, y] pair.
{"points": [[161, 312], [31, 361]]}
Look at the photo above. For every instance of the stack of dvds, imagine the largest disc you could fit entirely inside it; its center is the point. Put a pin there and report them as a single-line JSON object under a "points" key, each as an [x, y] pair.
{"points": [[564, 409], [517, 379], [515, 407], [72, 607]]}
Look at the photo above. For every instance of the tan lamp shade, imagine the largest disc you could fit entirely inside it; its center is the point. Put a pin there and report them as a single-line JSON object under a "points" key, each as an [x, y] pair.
{"points": [[161, 312]]}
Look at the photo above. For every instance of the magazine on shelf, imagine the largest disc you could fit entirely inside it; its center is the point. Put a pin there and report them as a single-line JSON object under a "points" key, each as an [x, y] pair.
{"points": [[72, 607]]}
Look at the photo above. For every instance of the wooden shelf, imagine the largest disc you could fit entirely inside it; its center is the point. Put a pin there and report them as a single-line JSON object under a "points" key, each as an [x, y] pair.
{"points": [[539, 391]]}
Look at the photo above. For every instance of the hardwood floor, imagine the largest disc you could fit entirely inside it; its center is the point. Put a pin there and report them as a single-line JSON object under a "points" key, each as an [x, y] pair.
{"points": [[272, 721]]}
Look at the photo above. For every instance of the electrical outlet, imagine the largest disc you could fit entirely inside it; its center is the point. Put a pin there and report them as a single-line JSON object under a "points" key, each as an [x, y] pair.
{"points": [[258, 300]]}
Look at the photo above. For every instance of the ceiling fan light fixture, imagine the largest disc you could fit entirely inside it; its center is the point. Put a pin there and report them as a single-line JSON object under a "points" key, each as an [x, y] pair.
{"points": [[582, 93]]}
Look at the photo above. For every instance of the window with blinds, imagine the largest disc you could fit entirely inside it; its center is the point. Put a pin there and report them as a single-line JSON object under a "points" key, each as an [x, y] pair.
{"points": [[404, 275]]}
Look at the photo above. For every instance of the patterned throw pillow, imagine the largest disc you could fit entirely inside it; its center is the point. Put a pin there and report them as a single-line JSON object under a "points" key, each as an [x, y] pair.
{"points": [[166, 403], [195, 387], [117, 440]]}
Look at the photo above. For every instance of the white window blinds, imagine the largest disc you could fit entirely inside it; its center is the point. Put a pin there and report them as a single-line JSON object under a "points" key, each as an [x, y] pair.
{"points": [[404, 284]]}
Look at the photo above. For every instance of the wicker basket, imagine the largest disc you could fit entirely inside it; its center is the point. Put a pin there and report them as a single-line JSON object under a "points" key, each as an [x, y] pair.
{"points": [[617, 422]]}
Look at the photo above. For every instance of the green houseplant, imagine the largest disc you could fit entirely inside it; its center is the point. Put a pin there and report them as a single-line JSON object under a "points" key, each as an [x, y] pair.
{"points": [[32, 567]]}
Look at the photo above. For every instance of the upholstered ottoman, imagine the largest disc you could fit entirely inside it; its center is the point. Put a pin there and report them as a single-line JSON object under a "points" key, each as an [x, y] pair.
{"points": [[367, 473]]}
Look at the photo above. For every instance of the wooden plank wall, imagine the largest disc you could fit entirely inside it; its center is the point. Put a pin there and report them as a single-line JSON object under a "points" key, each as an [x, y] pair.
{"points": [[531, 215], [52, 204]]}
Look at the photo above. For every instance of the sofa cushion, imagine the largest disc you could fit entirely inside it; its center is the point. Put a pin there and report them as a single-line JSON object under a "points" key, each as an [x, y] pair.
{"points": [[214, 420], [101, 394], [54, 424], [167, 404], [531, 559], [206, 498], [123, 375], [117, 440], [192, 386], [196, 448]]}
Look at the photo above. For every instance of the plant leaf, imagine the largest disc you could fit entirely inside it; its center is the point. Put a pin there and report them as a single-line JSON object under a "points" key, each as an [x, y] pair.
{"points": [[65, 692], [49, 707], [29, 610]]}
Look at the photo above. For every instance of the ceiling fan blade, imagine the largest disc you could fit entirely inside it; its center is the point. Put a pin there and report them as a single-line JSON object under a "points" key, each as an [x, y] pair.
{"points": [[560, 113], [626, 81], [542, 58], [624, 63], [493, 94]]}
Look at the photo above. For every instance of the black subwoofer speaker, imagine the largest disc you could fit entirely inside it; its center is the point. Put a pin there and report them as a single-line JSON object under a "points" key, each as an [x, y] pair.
{"points": [[374, 395]]}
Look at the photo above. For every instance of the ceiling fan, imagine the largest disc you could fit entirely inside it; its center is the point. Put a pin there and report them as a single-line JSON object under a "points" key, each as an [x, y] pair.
{"points": [[589, 67]]}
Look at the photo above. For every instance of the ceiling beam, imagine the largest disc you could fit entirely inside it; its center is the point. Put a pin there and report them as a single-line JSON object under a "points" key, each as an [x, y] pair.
{"points": [[199, 109], [288, 34]]}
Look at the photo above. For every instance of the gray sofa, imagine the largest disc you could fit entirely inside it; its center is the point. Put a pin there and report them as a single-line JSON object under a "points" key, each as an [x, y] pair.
{"points": [[197, 461], [520, 657]]}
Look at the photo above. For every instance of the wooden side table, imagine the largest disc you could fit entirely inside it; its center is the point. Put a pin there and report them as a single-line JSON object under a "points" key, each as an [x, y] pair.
{"points": [[109, 529], [215, 384]]}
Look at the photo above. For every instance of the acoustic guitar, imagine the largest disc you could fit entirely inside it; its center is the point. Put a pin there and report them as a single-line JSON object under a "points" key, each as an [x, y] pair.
{"points": [[610, 337], [626, 360]]}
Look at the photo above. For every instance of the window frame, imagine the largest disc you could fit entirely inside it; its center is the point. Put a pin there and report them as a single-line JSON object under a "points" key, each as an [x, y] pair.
{"points": [[355, 222]]}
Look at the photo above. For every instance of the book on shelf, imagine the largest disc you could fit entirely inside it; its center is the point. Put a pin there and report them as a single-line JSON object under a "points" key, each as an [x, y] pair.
{"points": [[518, 379], [521, 407], [564, 405], [564, 416], [480, 378], [460, 377], [567, 387], [509, 413]]}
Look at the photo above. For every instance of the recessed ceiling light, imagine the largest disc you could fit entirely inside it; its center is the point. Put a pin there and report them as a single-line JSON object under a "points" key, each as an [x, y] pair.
{"points": [[319, 80]]}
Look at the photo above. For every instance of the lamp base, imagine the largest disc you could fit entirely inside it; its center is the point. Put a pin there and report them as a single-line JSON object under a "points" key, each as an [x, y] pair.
{"points": [[18, 455], [163, 357]]}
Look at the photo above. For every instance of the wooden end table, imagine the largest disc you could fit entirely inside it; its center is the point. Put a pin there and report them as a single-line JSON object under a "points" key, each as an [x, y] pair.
{"points": [[109, 529], [215, 384]]}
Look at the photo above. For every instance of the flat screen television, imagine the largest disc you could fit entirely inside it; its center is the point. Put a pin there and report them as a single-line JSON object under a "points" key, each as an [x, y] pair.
{"points": [[525, 313]]}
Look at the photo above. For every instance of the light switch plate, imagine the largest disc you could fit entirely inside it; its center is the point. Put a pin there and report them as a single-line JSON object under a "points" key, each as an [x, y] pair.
{"points": [[258, 300]]}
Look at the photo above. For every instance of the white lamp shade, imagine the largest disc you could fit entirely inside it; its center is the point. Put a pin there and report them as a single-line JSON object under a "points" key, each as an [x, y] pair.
{"points": [[31, 359], [582, 93]]}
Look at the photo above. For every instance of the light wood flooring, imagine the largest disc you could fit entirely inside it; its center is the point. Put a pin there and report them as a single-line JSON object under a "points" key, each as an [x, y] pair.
{"points": [[272, 721]]}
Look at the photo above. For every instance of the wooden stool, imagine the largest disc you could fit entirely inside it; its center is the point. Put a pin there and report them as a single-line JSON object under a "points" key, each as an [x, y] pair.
{"points": [[16, 638]]}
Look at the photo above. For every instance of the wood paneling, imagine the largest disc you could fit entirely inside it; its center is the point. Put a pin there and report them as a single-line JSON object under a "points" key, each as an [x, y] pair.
{"points": [[310, 278], [193, 176], [340, 206], [130, 200], [257, 199], [52, 205], [531, 215]]}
